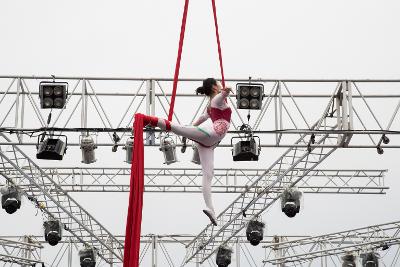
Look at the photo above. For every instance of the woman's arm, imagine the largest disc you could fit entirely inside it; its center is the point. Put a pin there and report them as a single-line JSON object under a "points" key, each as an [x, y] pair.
{"points": [[202, 118], [219, 101]]}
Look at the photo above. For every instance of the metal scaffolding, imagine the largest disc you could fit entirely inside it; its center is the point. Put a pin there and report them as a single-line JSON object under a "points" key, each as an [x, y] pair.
{"points": [[349, 116], [56, 203], [25, 251], [355, 241]]}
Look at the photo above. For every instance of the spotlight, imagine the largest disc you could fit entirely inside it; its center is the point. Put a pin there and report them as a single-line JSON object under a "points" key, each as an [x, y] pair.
{"points": [[370, 259], [249, 96], [10, 199], [51, 148], [87, 257], [53, 94], [290, 201], [88, 147], [255, 232], [168, 147], [224, 256], [129, 149], [52, 232], [349, 260], [248, 149]]}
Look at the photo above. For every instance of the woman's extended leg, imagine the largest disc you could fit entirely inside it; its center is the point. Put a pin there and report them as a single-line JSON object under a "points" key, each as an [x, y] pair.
{"points": [[207, 165]]}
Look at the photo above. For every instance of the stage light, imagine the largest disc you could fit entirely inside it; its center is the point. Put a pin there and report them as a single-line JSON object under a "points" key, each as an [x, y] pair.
{"points": [[196, 156], [53, 94], [51, 148], [247, 149], [52, 232], [370, 259], [88, 147], [349, 260], [87, 257], [290, 201], [249, 96], [224, 256], [10, 199], [255, 232], [168, 147], [129, 149]]}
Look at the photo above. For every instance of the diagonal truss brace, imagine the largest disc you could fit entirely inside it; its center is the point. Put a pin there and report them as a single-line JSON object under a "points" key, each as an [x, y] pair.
{"points": [[56, 203]]}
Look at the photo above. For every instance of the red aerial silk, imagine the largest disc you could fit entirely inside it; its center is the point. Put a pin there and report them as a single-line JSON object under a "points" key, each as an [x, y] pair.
{"points": [[134, 218]]}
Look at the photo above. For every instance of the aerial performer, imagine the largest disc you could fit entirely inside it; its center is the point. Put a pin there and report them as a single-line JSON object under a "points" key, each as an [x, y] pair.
{"points": [[207, 137]]}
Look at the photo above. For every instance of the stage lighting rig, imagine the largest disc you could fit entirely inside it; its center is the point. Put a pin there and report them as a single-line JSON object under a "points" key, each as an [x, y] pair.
{"points": [[53, 94], [349, 260], [255, 232], [87, 257], [224, 256], [168, 147], [248, 148], [51, 148], [10, 199], [370, 259], [88, 147], [52, 232], [290, 201], [129, 149], [249, 95]]}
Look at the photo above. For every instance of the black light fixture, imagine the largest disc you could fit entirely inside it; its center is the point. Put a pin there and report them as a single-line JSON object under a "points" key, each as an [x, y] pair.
{"points": [[255, 232], [87, 257], [52, 231], [224, 256], [349, 260], [290, 201], [10, 199], [249, 95], [370, 259], [248, 148], [51, 148], [53, 94]]}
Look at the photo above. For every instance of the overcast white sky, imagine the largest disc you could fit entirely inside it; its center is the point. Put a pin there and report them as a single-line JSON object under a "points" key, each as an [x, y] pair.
{"points": [[268, 39]]}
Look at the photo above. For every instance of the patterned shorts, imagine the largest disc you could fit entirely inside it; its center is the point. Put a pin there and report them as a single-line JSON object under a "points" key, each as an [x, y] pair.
{"points": [[221, 127]]}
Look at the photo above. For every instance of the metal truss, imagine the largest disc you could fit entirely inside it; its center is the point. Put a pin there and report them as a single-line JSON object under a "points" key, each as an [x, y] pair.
{"points": [[55, 203], [25, 251], [188, 180], [332, 246], [283, 115], [157, 250], [293, 166], [350, 115]]}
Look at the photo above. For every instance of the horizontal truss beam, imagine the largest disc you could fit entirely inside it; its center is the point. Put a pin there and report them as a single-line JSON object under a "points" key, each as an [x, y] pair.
{"points": [[188, 180]]}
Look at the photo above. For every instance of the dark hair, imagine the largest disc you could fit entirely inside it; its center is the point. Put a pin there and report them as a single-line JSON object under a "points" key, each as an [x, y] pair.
{"points": [[206, 89]]}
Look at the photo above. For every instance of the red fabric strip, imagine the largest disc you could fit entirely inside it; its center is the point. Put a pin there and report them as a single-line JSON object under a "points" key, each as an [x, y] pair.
{"points": [[134, 217], [218, 43], [178, 60]]}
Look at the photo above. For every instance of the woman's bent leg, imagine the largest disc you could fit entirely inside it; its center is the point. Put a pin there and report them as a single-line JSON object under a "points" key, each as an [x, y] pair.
{"points": [[203, 136]]}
